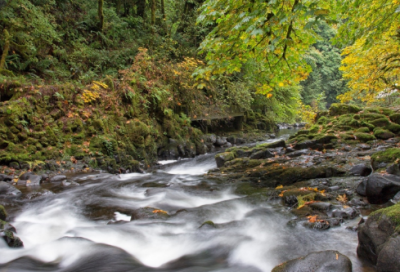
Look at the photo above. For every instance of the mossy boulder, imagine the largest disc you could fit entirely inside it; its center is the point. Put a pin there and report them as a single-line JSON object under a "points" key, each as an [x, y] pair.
{"points": [[381, 122], [387, 156], [280, 143], [364, 137], [367, 116], [383, 134], [224, 157], [379, 240], [340, 109], [363, 130], [395, 118], [325, 139], [395, 128]]}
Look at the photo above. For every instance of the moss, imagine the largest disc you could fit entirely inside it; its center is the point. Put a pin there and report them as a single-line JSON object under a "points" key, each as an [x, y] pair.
{"points": [[395, 118], [363, 130], [384, 134], [303, 132], [388, 155], [368, 125], [324, 139], [395, 128], [364, 137], [314, 129], [385, 111], [226, 156], [323, 120], [340, 109], [3, 213], [393, 213], [98, 126], [208, 223], [367, 116], [381, 122]]}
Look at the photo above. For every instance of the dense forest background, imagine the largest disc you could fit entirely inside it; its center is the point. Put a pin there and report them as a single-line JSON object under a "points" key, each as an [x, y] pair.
{"points": [[92, 68]]}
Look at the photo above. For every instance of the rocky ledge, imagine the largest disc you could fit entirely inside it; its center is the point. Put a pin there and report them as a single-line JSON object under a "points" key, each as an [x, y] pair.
{"points": [[344, 166]]}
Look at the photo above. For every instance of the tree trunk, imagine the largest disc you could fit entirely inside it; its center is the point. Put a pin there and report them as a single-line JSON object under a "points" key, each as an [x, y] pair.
{"points": [[153, 21], [164, 16], [141, 8], [5, 49], [101, 14]]}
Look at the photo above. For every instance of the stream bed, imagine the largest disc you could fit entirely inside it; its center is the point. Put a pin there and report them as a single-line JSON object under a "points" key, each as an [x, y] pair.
{"points": [[174, 219]]}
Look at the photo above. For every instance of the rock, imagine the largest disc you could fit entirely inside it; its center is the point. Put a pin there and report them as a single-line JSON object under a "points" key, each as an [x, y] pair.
{"points": [[5, 177], [360, 170], [307, 144], [389, 256], [221, 141], [317, 225], [381, 188], [208, 225], [3, 213], [222, 158], [33, 180], [149, 213], [364, 146], [272, 135], [263, 154], [396, 198], [14, 165], [280, 143], [321, 206], [11, 240], [227, 145], [362, 188], [231, 140], [243, 153], [8, 191], [382, 158], [58, 178], [299, 153], [332, 261], [393, 169], [345, 213], [378, 239], [212, 138]]}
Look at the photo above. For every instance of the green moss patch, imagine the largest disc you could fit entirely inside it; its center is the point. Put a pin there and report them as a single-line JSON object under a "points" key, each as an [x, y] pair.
{"points": [[383, 134], [364, 137], [389, 155], [339, 109]]}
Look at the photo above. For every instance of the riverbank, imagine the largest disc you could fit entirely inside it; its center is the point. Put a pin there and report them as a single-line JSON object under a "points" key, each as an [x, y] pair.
{"points": [[343, 167]]}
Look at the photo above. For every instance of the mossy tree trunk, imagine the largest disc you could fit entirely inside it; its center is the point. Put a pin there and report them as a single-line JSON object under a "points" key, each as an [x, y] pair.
{"points": [[164, 16], [5, 49], [141, 8], [101, 14]]}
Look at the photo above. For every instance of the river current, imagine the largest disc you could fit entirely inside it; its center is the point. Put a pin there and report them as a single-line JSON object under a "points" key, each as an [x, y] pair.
{"points": [[89, 228]]}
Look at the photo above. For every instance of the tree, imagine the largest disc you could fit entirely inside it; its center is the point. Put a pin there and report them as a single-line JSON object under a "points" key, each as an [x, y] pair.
{"points": [[274, 33], [101, 14], [372, 58]]}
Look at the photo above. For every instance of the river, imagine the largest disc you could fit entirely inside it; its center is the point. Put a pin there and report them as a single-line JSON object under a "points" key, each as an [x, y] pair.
{"points": [[89, 228]]}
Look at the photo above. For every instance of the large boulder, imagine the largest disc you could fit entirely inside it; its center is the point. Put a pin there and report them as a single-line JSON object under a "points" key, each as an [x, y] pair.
{"points": [[379, 240], [380, 188], [360, 170], [340, 109], [383, 158], [330, 260], [263, 154]]}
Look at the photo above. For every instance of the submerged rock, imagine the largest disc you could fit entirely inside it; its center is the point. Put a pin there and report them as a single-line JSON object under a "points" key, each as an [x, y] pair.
{"points": [[332, 261], [58, 178]]}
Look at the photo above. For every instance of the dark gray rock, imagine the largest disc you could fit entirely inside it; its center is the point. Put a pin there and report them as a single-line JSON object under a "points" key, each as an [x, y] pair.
{"points": [[345, 213], [389, 256], [364, 146], [321, 206], [212, 138], [307, 144], [280, 143], [221, 141], [243, 153], [58, 179], [231, 140], [379, 240], [11, 240], [148, 213], [263, 154], [299, 153], [5, 177], [393, 169], [396, 198], [324, 261], [360, 170], [362, 188], [381, 188], [8, 191]]}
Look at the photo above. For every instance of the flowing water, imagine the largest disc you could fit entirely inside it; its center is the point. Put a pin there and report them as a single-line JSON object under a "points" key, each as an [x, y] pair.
{"points": [[88, 227]]}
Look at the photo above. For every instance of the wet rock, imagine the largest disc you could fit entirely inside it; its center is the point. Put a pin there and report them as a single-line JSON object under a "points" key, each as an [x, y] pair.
{"points": [[222, 158], [243, 153], [298, 153], [364, 146], [227, 145], [307, 144], [321, 206], [5, 177], [11, 240], [211, 138], [154, 185], [263, 154], [231, 140], [378, 239], [58, 178], [317, 225], [272, 135], [362, 188], [208, 225], [360, 170], [221, 141], [345, 213], [332, 261], [8, 191], [33, 180], [149, 213], [381, 188]]}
